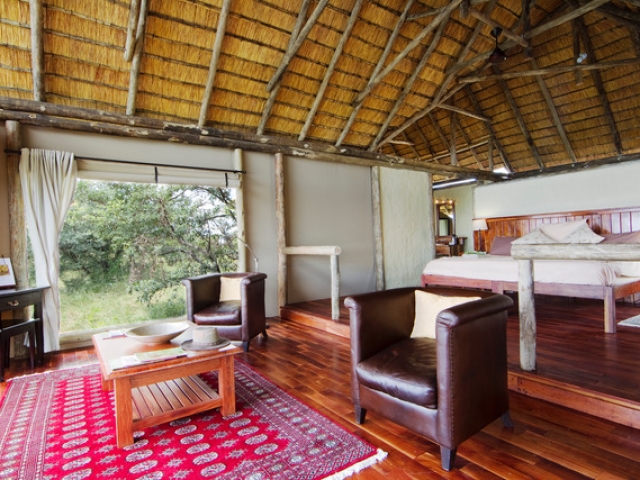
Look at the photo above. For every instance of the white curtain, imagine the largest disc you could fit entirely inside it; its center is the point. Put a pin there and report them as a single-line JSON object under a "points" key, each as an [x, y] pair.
{"points": [[48, 180]]}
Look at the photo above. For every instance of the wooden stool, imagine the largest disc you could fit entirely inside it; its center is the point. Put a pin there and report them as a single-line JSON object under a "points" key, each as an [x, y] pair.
{"points": [[8, 330]]}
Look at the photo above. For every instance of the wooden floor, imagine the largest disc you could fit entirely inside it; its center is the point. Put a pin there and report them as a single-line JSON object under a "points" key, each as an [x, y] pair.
{"points": [[548, 441]]}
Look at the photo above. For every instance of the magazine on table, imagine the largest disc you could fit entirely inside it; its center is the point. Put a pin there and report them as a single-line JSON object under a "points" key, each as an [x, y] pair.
{"points": [[142, 358], [7, 279]]}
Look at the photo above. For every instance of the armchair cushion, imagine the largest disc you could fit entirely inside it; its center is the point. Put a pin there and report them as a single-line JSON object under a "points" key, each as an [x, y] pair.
{"points": [[230, 288], [428, 306], [405, 370], [221, 313]]}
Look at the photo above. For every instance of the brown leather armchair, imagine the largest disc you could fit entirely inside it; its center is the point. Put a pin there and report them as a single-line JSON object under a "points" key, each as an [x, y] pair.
{"points": [[236, 318], [446, 389]]}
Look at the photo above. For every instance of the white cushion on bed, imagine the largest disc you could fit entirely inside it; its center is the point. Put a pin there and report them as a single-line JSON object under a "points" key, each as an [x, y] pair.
{"points": [[558, 231], [428, 306], [581, 234]]}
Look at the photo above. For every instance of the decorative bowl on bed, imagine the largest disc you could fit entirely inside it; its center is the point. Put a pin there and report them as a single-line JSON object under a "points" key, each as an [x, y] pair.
{"points": [[157, 332]]}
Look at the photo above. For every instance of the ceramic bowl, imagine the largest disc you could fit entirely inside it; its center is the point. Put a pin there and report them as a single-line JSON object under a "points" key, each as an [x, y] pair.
{"points": [[157, 332]]}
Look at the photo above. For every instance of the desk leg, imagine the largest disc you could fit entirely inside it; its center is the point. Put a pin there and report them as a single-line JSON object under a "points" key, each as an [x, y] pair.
{"points": [[37, 313], [124, 412], [226, 386]]}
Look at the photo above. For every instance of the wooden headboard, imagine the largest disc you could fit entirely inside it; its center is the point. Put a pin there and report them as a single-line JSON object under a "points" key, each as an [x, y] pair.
{"points": [[611, 220]]}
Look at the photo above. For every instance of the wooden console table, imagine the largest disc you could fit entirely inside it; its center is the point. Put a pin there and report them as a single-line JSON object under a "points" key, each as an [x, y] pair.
{"points": [[17, 299], [526, 254]]}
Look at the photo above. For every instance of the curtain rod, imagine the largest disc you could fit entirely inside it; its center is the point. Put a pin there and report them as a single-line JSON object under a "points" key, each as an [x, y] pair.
{"points": [[131, 162]]}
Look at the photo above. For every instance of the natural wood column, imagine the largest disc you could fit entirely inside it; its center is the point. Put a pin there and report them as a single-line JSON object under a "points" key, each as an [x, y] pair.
{"points": [[282, 231], [240, 219], [17, 224], [526, 305]]}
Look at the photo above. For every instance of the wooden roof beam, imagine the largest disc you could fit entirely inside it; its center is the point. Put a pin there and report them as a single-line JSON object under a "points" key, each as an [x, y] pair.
{"points": [[523, 126], [472, 148], [408, 86], [549, 71], [355, 11], [380, 64], [213, 63], [134, 15], [446, 106], [37, 49], [554, 114], [136, 60], [597, 79], [266, 111], [106, 123], [442, 16], [492, 132], [451, 73], [291, 52], [422, 136], [505, 31]]}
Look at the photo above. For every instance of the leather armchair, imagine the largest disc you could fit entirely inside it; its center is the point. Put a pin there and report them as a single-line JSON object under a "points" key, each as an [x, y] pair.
{"points": [[446, 389], [236, 319]]}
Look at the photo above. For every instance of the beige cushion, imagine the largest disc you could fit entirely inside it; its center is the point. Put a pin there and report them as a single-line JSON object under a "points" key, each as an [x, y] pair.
{"points": [[579, 234], [558, 231], [428, 306], [230, 288]]}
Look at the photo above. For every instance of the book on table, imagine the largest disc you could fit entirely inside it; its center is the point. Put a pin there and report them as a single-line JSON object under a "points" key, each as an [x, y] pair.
{"points": [[142, 358]]}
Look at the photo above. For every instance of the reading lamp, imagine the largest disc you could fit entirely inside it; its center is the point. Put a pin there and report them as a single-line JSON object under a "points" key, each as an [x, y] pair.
{"points": [[477, 225]]}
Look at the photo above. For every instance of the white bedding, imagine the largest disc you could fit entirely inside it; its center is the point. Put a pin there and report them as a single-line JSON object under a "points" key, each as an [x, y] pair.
{"points": [[505, 268]]}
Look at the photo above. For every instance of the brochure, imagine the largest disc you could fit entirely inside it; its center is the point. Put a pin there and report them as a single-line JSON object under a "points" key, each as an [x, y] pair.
{"points": [[147, 357]]}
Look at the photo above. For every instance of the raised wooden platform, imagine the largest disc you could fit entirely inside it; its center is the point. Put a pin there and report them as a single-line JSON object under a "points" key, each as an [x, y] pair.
{"points": [[579, 366]]}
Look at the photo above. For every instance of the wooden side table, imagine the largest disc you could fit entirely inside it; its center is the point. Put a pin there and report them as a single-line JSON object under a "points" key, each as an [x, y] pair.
{"points": [[17, 299]]}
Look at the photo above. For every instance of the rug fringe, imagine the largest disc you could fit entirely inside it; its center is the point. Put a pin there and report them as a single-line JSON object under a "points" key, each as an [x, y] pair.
{"points": [[357, 467]]}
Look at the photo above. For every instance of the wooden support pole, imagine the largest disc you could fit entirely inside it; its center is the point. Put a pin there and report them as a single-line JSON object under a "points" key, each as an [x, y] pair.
{"points": [[378, 239], [37, 49], [17, 224], [282, 231], [335, 288], [240, 219], [527, 316]]}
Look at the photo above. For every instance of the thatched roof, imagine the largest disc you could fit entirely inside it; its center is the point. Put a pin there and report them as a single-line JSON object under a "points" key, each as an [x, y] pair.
{"points": [[400, 81]]}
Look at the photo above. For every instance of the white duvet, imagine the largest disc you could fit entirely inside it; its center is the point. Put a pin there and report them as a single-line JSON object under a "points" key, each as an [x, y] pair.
{"points": [[505, 268]]}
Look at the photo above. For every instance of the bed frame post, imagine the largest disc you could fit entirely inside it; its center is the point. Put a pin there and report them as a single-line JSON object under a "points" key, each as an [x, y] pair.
{"points": [[527, 316]]}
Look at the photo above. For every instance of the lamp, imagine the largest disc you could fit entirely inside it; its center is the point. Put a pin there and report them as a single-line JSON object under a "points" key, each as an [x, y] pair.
{"points": [[498, 55], [479, 224]]}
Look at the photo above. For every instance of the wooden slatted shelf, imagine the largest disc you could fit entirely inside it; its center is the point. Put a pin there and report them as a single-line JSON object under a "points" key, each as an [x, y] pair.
{"points": [[166, 401]]}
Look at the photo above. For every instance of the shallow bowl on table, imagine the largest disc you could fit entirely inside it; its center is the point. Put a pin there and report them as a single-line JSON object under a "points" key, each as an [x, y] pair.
{"points": [[157, 332]]}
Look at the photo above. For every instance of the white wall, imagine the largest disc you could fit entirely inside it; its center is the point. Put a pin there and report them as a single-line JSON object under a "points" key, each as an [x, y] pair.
{"points": [[408, 235], [610, 186]]}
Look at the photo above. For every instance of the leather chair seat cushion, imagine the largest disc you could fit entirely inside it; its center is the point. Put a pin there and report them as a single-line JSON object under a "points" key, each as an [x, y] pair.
{"points": [[406, 370], [223, 313]]}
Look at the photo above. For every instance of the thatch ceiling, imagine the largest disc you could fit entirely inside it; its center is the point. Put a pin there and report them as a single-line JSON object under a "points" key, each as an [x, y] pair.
{"points": [[402, 81]]}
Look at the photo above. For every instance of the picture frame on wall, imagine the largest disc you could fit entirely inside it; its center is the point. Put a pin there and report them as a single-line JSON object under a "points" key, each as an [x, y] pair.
{"points": [[7, 278]]}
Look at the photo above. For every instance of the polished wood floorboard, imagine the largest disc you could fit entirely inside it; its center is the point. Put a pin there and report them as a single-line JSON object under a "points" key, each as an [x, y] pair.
{"points": [[548, 441]]}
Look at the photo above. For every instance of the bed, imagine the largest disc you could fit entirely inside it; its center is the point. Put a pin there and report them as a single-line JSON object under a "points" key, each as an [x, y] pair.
{"points": [[498, 271]]}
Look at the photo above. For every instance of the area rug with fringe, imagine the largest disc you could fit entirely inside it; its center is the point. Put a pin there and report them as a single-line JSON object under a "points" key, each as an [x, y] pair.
{"points": [[61, 425]]}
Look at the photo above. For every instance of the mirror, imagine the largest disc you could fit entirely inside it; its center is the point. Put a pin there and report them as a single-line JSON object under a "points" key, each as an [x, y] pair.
{"points": [[445, 217]]}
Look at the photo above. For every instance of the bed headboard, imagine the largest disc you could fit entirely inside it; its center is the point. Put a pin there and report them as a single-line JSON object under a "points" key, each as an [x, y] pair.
{"points": [[610, 220]]}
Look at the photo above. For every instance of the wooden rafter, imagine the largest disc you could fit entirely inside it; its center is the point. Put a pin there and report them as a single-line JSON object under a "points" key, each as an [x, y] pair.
{"points": [[134, 15], [444, 14], [549, 70], [494, 138], [266, 111], [526, 26], [97, 121], [213, 63], [412, 147], [554, 114], [446, 106], [454, 153], [523, 125], [334, 60], [602, 94], [291, 52], [380, 64], [439, 96], [505, 31], [136, 60], [422, 136], [37, 49], [438, 130], [472, 148], [408, 85]]}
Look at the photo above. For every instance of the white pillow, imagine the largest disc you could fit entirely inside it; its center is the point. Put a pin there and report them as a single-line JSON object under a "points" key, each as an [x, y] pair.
{"points": [[428, 306], [535, 237], [230, 288], [581, 234], [558, 231]]}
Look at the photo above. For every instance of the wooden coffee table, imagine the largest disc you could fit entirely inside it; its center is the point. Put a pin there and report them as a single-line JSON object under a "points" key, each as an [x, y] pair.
{"points": [[159, 392]]}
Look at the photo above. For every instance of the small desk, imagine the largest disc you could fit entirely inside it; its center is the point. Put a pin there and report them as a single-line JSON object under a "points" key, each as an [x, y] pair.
{"points": [[16, 299]]}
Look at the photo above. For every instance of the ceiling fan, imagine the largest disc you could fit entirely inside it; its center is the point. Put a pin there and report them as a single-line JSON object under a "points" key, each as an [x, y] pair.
{"points": [[498, 55]]}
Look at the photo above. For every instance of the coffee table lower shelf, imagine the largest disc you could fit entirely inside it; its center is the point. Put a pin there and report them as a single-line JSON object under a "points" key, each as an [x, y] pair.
{"points": [[166, 401]]}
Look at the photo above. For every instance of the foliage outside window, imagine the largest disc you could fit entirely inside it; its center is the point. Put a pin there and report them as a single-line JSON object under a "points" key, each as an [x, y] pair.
{"points": [[125, 247]]}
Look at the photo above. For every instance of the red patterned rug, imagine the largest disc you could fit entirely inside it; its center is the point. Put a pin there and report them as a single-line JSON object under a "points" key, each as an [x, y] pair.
{"points": [[60, 425]]}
